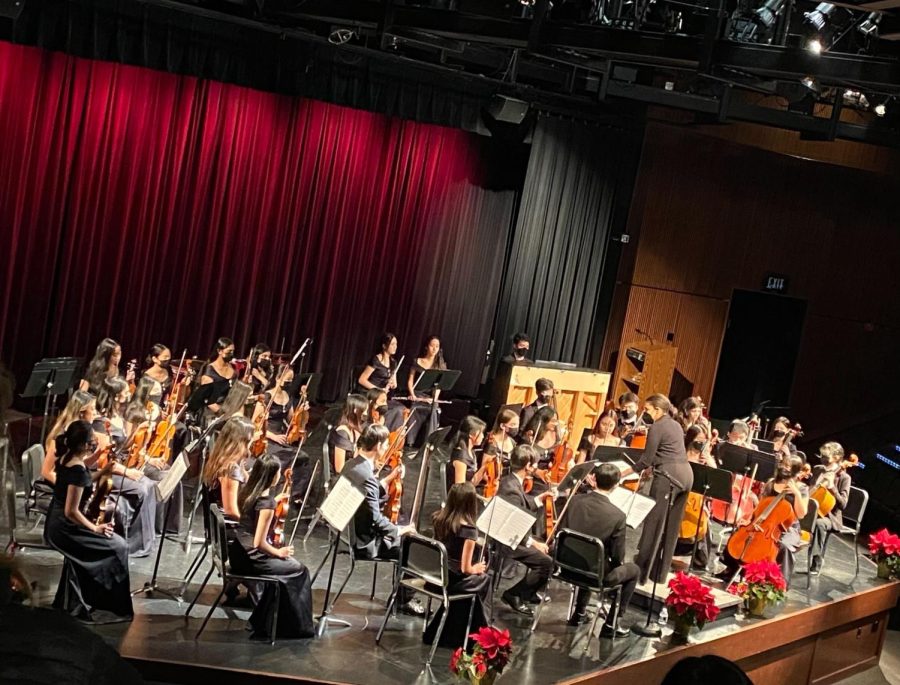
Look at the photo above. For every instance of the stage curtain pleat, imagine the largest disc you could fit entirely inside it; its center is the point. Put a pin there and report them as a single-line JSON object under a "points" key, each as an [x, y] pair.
{"points": [[159, 208], [574, 201]]}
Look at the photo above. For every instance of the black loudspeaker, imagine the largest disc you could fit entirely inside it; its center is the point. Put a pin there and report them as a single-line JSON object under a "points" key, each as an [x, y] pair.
{"points": [[11, 9], [507, 109]]}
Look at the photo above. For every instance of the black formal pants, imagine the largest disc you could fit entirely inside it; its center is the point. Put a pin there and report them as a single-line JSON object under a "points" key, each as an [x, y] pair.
{"points": [[625, 575], [539, 566]]}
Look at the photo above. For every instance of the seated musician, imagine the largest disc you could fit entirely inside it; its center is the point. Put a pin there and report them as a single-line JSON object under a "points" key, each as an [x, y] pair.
{"points": [[381, 374], [221, 372], [342, 440], [104, 365], [591, 513], [797, 495], [519, 352], [690, 412], [780, 433], [262, 371], [378, 406], [463, 465], [739, 434], [604, 434], [531, 553], [374, 534], [627, 416], [545, 391], [503, 434], [832, 476], [696, 446]]}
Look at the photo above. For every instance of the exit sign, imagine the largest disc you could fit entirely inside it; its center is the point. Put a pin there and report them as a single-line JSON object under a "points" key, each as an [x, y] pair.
{"points": [[775, 283]]}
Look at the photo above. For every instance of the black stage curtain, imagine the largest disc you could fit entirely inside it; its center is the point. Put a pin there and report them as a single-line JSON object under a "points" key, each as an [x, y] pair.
{"points": [[561, 266]]}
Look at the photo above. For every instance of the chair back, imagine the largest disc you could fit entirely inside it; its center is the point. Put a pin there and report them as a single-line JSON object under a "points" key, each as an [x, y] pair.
{"points": [[218, 540], [326, 456], [9, 488], [856, 508], [579, 556], [812, 512], [425, 558], [32, 461]]}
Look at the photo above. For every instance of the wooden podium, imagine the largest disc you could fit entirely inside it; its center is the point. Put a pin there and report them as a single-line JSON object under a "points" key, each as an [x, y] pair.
{"points": [[580, 393], [645, 369]]}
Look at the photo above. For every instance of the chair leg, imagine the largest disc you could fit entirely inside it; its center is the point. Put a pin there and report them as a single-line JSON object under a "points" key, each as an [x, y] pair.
{"points": [[200, 591], [537, 615], [856, 551], [437, 636], [469, 622], [587, 638], [387, 614], [273, 631], [427, 616], [210, 612], [344, 584], [195, 564], [374, 578]]}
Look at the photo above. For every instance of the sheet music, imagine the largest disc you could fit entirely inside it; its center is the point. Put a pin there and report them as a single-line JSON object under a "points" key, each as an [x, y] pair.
{"points": [[341, 503], [633, 505], [505, 523], [166, 486], [622, 465]]}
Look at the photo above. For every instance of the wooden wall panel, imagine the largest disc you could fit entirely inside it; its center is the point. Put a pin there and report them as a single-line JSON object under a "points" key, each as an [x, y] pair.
{"points": [[711, 216]]}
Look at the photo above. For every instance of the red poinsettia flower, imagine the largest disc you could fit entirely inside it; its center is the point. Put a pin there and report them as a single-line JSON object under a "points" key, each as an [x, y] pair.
{"points": [[454, 660], [884, 544]]}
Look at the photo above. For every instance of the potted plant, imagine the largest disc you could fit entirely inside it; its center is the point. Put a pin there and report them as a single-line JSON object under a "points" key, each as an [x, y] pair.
{"points": [[884, 547], [763, 585], [488, 658], [692, 604]]}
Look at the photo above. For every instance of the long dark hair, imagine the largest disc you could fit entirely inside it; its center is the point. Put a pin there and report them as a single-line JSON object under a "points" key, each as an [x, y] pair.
{"points": [[99, 366], [384, 342], [155, 351], [136, 411], [469, 425], [223, 343], [262, 477], [439, 358], [461, 508], [354, 412], [76, 438], [110, 389], [538, 423]]}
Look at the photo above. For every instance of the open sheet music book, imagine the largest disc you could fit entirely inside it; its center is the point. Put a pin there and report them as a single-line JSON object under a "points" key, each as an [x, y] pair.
{"points": [[166, 486], [634, 506], [341, 504], [505, 522]]}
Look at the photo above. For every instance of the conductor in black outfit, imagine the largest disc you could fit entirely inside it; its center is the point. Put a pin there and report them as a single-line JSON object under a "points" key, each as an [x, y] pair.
{"points": [[531, 553], [664, 453], [593, 514]]}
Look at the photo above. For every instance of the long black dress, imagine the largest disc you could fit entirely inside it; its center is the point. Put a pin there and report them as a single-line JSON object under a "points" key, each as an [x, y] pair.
{"points": [[425, 418], [295, 604], [99, 564], [454, 632], [278, 424], [460, 454], [664, 452]]}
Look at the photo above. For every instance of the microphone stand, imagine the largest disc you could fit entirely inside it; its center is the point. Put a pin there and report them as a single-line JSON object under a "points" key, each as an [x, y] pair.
{"points": [[659, 550]]}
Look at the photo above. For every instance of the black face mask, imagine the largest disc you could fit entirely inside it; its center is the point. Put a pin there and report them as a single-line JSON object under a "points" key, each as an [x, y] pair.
{"points": [[627, 414], [512, 432], [166, 363], [266, 365], [228, 356], [520, 353], [647, 419], [698, 445], [778, 434], [381, 410], [93, 445]]}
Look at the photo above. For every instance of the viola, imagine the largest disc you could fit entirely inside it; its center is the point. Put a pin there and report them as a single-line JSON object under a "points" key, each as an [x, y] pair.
{"points": [[95, 507], [161, 445], [562, 457], [759, 539]]}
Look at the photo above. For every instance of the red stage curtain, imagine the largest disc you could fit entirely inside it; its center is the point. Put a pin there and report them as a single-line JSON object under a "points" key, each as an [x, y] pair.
{"points": [[153, 207]]}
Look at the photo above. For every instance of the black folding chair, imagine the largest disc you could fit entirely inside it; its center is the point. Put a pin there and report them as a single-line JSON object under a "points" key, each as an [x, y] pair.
{"points": [[424, 568], [852, 516]]}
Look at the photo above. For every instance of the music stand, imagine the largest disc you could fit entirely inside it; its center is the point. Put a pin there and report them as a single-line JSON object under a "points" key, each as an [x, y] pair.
{"points": [[311, 381], [741, 460], [202, 396], [609, 453], [438, 379], [765, 445], [431, 445], [50, 378], [710, 483]]}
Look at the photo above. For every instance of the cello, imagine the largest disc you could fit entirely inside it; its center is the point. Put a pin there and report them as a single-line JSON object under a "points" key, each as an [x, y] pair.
{"points": [[758, 540]]}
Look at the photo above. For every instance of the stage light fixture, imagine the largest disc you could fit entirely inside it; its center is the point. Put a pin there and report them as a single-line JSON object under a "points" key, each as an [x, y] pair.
{"points": [[869, 25], [759, 25], [816, 20], [880, 109]]}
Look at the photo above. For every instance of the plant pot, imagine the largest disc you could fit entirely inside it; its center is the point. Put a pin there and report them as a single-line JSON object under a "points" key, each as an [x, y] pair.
{"points": [[682, 631], [487, 679], [884, 569], [756, 606]]}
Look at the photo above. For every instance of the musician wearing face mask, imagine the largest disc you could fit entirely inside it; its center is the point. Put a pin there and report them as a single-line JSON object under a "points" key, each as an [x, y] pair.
{"points": [[627, 417], [830, 477], [503, 435], [262, 372], [545, 391], [221, 372], [781, 434], [519, 351], [739, 434]]}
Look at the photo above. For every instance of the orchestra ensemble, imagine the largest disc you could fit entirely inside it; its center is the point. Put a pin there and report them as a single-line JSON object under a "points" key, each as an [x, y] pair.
{"points": [[120, 431]]}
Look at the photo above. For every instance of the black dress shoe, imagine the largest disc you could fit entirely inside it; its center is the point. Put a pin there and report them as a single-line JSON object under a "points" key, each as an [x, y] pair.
{"points": [[413, 608], [516, 604], [609, 632], [535, 599], [578, 620]]}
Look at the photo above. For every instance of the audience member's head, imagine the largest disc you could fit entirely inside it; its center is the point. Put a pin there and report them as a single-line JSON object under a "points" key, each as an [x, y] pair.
{"points": [[703, 670]]}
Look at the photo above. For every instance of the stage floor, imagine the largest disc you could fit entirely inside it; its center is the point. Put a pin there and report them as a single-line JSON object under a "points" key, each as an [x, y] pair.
{"points": [[160, 635]]}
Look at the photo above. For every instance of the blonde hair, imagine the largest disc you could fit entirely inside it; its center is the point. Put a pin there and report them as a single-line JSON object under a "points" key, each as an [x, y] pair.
{"points": [[230, 447], [77, 403]]}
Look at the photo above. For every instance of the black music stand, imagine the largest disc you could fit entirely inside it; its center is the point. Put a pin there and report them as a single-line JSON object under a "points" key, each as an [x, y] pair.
{"points": [[438, 379], [311, 381], [767, 446], [710, 483], [50, 378], [605, 453], [741, 460]]}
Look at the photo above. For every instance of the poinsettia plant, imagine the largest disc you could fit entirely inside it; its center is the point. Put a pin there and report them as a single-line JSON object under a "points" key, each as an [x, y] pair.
{"points": [[762, 580], [884, 547], [490, 654], [691, 600]]}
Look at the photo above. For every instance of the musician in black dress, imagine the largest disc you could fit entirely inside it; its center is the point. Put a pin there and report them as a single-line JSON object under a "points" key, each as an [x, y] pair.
{"points": [[463, 465], [252, 553], [97, 556], [104, 365], [342, 440], [542, 433], [426, 412], [223, 473], [262, 370], [454, 526], [221, 372], [381, 373], [665, 454]]}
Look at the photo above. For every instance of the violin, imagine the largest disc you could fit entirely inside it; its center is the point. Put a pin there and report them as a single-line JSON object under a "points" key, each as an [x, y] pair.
{"points": [[743, 501], [492, 469], [161, 445], [95, 507], [129, 375], [297, 428], [562, 456], [392, 459], [283, 504], [759, 539]]}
